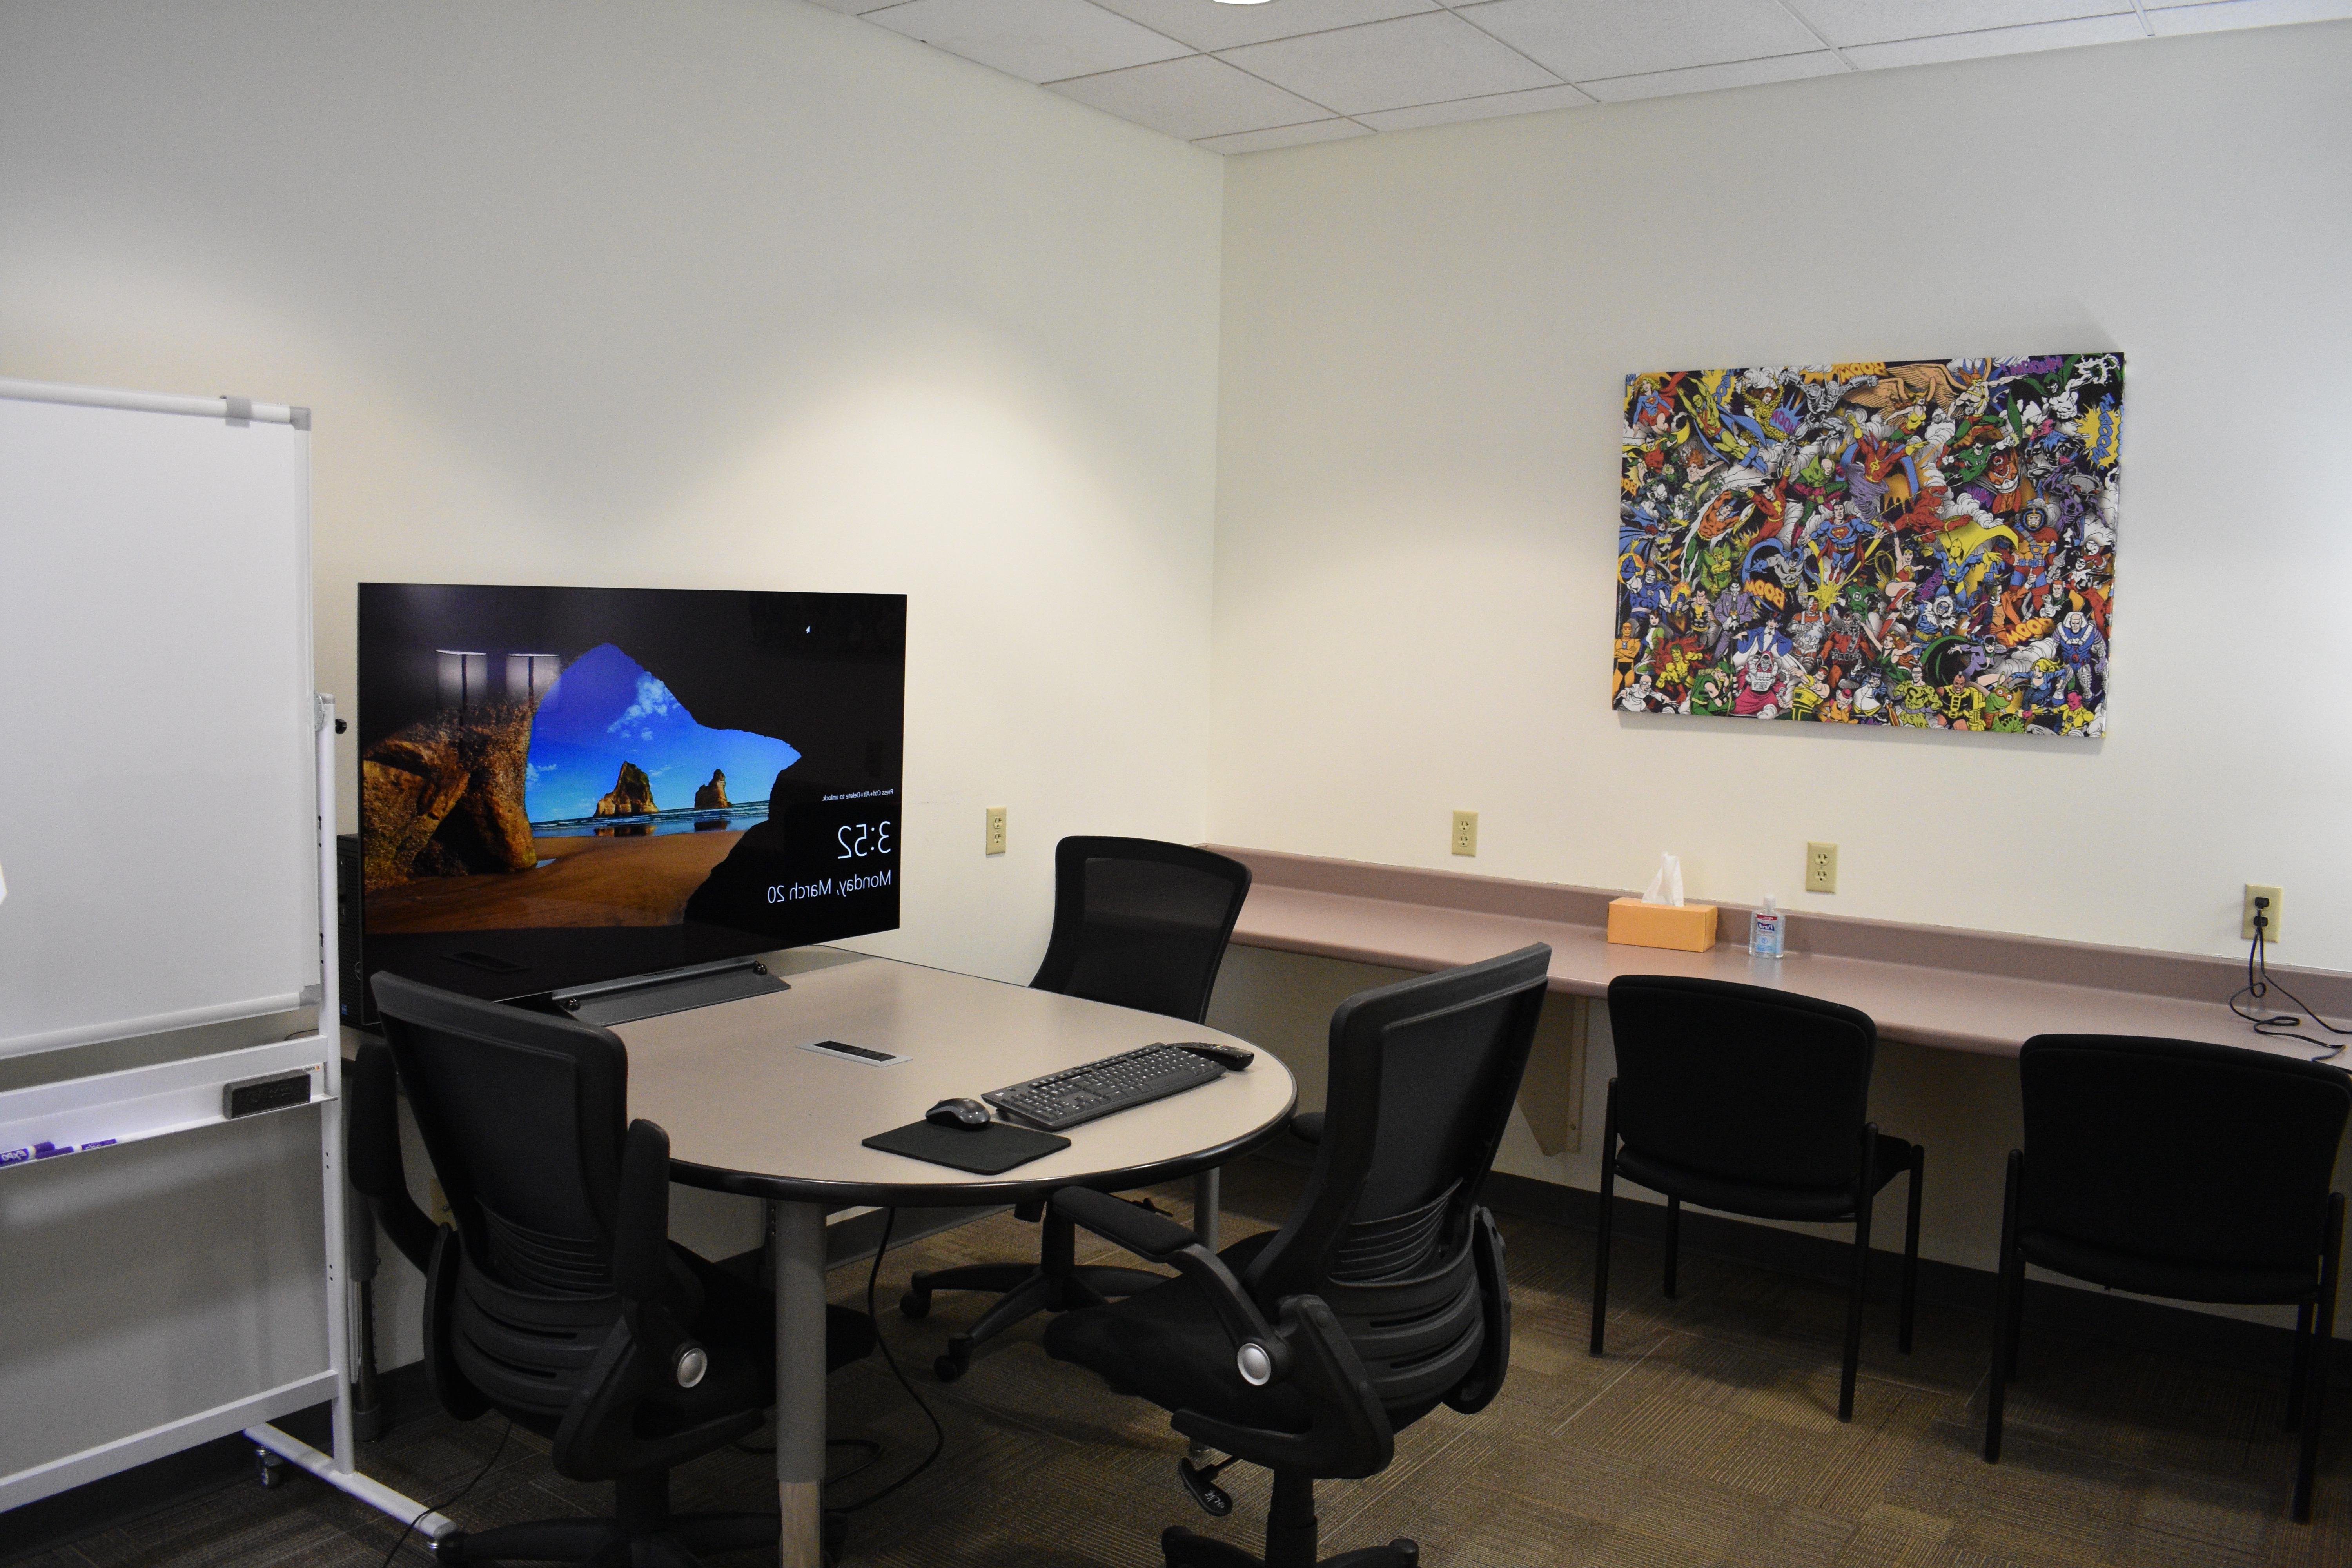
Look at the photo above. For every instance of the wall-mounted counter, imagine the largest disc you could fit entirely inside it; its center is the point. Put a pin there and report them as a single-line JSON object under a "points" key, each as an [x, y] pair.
{"points": [[1930, 986]]}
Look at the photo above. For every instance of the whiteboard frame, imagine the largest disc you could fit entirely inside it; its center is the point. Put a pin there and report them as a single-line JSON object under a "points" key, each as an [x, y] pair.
{"points": [[233, 411]]}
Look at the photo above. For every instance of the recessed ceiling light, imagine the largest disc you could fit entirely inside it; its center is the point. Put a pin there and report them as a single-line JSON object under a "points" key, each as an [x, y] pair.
{"points": [[1241, 2]]}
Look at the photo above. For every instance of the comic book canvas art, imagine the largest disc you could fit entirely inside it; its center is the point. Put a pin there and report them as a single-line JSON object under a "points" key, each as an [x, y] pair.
{"points": [[1927, 543]]}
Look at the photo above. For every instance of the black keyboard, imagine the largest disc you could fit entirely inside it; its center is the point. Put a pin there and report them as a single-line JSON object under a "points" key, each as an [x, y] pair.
{"points": [[1082, 1093]]}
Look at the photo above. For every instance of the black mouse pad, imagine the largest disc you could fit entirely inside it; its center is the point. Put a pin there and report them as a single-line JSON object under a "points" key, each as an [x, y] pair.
{"points": [[983, 1151]]}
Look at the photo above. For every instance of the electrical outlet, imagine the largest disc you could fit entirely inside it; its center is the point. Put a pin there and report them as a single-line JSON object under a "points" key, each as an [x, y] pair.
{"points": [[2272, 914], [1821, 867], [994, 842], [1466, 833]]}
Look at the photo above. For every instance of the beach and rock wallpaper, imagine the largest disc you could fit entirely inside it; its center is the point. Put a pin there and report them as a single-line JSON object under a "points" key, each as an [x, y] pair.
{"points": [[541, 759]]}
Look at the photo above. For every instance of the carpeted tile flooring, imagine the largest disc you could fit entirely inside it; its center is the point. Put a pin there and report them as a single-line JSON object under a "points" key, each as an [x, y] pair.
{"points": [[1706, 1436]]}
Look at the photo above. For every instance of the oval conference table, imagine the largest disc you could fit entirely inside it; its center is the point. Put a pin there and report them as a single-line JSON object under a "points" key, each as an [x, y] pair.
{"points": [[750, 1111]]}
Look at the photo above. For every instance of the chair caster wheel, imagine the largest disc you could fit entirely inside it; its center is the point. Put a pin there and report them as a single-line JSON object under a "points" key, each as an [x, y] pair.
{"points": [[914, 1304], [271, 1469], [947, 1369]]}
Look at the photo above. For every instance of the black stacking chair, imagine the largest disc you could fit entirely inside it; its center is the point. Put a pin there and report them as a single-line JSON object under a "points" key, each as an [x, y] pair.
{"points": [[2170, 1168], [557, 1296], [1752, 1102], [1381, 1297], [1136, 923]]}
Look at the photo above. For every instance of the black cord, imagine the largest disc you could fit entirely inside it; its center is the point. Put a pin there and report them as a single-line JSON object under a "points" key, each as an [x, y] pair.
{"points": [[938, 1433], [452, 1502], [2280, 1026]]}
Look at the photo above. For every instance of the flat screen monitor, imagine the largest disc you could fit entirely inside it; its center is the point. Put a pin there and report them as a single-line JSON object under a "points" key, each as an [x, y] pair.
{"points": [[566, 785]]}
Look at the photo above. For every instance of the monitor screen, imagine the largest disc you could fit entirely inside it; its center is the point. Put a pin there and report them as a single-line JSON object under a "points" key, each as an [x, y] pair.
{"points": [[561, 786]]}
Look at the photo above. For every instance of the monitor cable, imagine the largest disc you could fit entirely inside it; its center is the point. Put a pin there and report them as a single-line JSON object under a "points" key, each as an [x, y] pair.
{"points": [[2259, 986], [938, 1433]]}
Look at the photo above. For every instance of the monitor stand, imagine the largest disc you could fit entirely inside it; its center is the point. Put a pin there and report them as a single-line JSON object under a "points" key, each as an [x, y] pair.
{"points": [[610, 1002]]}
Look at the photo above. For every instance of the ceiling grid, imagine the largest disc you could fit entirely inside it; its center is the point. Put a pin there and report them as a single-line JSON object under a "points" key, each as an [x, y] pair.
{"points": [[1246, 78]]}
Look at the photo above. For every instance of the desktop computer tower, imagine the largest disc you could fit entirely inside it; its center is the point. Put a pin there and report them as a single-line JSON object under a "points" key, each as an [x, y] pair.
{"points": [[358, 1005]]}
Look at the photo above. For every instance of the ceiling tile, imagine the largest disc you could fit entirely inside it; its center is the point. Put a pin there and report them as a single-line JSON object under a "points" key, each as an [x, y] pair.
{"points": [[1391, 65], [1491, 107], [1284, 136], [1196, 97], [1207, 25], [1714, 78], [1586, 39], [2173, 17], [1039, 40], [1997, 41], [1843, 22]]}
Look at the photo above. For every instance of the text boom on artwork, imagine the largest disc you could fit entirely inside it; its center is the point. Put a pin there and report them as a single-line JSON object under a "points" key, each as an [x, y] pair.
{"points": [[1927, 543]]}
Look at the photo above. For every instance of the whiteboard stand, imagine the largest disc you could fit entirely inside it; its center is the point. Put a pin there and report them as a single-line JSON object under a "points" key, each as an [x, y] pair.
{"points": [[158, 1100], [338, 1470]]}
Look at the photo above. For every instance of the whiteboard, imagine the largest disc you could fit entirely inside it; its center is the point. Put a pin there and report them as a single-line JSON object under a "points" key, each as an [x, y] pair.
{"points": [[158, 798]]}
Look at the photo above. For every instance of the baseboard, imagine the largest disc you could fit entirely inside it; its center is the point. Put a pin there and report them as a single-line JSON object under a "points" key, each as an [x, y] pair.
{"points": [[2099, 1314]]}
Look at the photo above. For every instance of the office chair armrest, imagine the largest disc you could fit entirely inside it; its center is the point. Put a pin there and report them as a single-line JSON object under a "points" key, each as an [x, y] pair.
{"points": [[641, 1267], [1260, 1355], [376, 1171], [1349, 1437], [641, 1228]]}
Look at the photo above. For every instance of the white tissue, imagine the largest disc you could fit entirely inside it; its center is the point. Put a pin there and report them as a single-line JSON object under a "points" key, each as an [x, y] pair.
{"points": [[1666, 886]]}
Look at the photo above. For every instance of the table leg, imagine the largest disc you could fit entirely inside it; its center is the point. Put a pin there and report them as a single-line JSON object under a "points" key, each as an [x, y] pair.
{"points": [[796, 1245], [1206, 1201]]}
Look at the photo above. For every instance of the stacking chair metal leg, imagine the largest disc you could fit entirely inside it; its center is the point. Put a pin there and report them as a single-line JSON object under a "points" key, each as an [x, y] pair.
{"points": [[2009, 1300], [1673, 1240], [1864, 1197], [1608, 1213], [2330, 1271], [1911, 1251], [2306, 1314]]}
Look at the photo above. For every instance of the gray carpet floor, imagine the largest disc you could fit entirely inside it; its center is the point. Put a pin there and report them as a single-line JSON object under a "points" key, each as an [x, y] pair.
{"points": [[1707, 1435]]}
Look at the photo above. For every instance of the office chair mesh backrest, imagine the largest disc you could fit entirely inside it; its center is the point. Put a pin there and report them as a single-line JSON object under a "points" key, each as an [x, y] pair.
{"points": [[2174, 1149], [1735, 1080], [522, 1114], [1140, 923], [1423, 1075]]}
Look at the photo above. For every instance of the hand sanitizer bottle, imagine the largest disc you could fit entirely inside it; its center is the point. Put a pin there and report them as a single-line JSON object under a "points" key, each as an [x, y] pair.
{"points": [[1764, 930]]}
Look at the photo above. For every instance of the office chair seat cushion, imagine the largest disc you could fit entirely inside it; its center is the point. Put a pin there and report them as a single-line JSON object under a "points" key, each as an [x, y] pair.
{"points": [[1732, 1195], [1167, 1345], [2180, 1280]]}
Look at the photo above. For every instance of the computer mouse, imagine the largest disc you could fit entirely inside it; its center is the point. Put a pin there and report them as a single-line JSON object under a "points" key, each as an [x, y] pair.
{"points": [[1232, 1058], [969, 1114]]}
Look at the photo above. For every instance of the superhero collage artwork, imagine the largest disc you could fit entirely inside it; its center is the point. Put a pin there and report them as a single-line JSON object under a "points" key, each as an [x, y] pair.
{"points": [[1924, 544]]}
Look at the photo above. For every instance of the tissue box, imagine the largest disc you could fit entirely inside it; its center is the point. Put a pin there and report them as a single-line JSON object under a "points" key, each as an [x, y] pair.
{"points": [[1686, 927]]}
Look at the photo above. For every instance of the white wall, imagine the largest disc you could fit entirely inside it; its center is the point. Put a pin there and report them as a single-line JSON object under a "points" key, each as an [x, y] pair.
{"points": [[704, 294], [1425, 337]]}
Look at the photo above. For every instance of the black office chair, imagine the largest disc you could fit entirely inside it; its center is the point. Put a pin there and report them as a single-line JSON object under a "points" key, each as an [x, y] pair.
{"points": [[556, 1296], [1753, 1101], [2170, 1168], [1136, 923], [1382, 1296]]}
